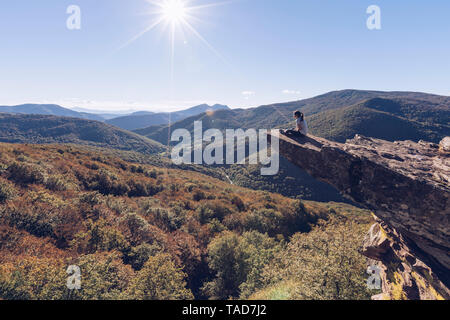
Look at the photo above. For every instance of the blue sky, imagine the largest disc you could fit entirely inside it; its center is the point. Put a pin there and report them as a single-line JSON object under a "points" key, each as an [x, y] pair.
{"points": [[265, 51]]}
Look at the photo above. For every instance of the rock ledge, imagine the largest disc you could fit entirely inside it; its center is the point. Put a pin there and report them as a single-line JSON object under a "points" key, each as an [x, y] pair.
{"points": [[407, 186]]}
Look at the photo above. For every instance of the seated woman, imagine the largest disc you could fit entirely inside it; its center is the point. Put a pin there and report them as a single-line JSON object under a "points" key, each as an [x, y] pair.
{"points": [[301, 129]]}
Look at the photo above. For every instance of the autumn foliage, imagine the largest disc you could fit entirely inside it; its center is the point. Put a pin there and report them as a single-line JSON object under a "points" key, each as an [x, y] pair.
{"points": [[142, 232]]}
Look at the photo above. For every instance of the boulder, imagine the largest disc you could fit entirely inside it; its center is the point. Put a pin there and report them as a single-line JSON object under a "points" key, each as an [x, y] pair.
{"points": [[445, 145]]}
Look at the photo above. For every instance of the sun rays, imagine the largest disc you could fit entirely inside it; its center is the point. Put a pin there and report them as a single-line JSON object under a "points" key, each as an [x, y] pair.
{"points": [[174, 16]]}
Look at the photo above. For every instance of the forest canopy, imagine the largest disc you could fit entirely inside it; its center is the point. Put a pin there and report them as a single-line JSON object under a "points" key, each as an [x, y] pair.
{"points": [[139, 231]]}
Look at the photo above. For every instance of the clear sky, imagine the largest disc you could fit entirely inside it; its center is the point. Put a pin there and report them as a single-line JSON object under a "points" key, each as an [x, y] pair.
{"points": [[260, 51]]}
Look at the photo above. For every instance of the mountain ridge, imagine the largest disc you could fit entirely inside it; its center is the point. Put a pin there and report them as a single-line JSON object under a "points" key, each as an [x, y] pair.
{"points": [[46, 129], [407, 104], [388, 119], [140, 120], [48, 109]]}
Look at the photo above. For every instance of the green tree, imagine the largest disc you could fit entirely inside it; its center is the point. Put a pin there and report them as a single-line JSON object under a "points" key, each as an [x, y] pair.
{"points": [[324, 264], [238, 262], [261, 250], [159, 279], [103, 277]]}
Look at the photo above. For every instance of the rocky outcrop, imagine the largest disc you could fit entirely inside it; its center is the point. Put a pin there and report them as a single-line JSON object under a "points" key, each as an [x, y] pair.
{"points": [[404, 275], [407, 187], [445, 145]]}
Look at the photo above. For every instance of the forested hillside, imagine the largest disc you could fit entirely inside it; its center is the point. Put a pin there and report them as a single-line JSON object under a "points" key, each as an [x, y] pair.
{"points": [[50, 110], [144, 232], [412, 107], [38, 129], [386, 119]]}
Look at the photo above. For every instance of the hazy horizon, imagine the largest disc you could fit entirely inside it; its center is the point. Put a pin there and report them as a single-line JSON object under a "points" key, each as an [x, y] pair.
{"points": [[122, 108]]}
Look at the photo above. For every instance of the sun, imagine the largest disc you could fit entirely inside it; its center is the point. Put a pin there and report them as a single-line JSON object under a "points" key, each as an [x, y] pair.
{"points": [[173, 10], [178, 16]]}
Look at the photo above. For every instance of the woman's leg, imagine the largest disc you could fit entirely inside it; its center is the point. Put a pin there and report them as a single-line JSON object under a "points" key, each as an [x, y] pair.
{"points": [[293, 134]]}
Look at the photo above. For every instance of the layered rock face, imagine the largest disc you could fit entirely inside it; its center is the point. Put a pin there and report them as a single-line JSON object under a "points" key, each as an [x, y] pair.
{"points": [[407, 187]]}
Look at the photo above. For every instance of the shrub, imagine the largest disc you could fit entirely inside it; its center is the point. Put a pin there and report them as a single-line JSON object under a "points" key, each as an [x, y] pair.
{"points": [[56, 183], [264, 220], [137, 189], [118, 205], [148, 204], [151, 174], [99, 237], [138, 230], [189, 187], [160, 279], [216, 226], [153, 189], [107, 183], [91, 199], [32, 278], [238, 203], [174, 187], [7, 191], [138, 256], [25, 174], [301, 220], [92, 165], [286, 222], [212, 210], [37, 220], [104, 277], [167, 219], [198, 195], [142, 189]]}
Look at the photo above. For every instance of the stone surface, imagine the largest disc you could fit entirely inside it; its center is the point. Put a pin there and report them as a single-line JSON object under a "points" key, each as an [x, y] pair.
{"points": [[404, 275], [445, 145], [407, 186]]}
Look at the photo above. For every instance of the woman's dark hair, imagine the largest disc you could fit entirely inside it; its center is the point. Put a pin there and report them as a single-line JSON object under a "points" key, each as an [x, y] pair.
{"points": [[299, 115]]}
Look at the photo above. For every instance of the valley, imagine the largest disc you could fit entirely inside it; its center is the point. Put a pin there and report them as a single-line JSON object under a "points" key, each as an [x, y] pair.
{"points": [[77, 191]]}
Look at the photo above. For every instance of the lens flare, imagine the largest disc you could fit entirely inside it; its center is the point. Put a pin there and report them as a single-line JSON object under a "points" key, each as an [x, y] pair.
{"points": [[173, 10]]}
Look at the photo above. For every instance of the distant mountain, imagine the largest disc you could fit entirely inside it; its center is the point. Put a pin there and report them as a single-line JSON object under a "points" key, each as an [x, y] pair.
{"points": [[140, 113], [221, 119], [396, 119], [44, 129], [336, 116], [199, 109], [49, 109], [419, 109], [281, 113], [105, 115], [143, 119]]}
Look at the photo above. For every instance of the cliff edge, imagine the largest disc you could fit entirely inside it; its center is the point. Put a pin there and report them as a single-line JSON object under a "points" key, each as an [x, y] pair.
{"points": [[407, 187]]}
